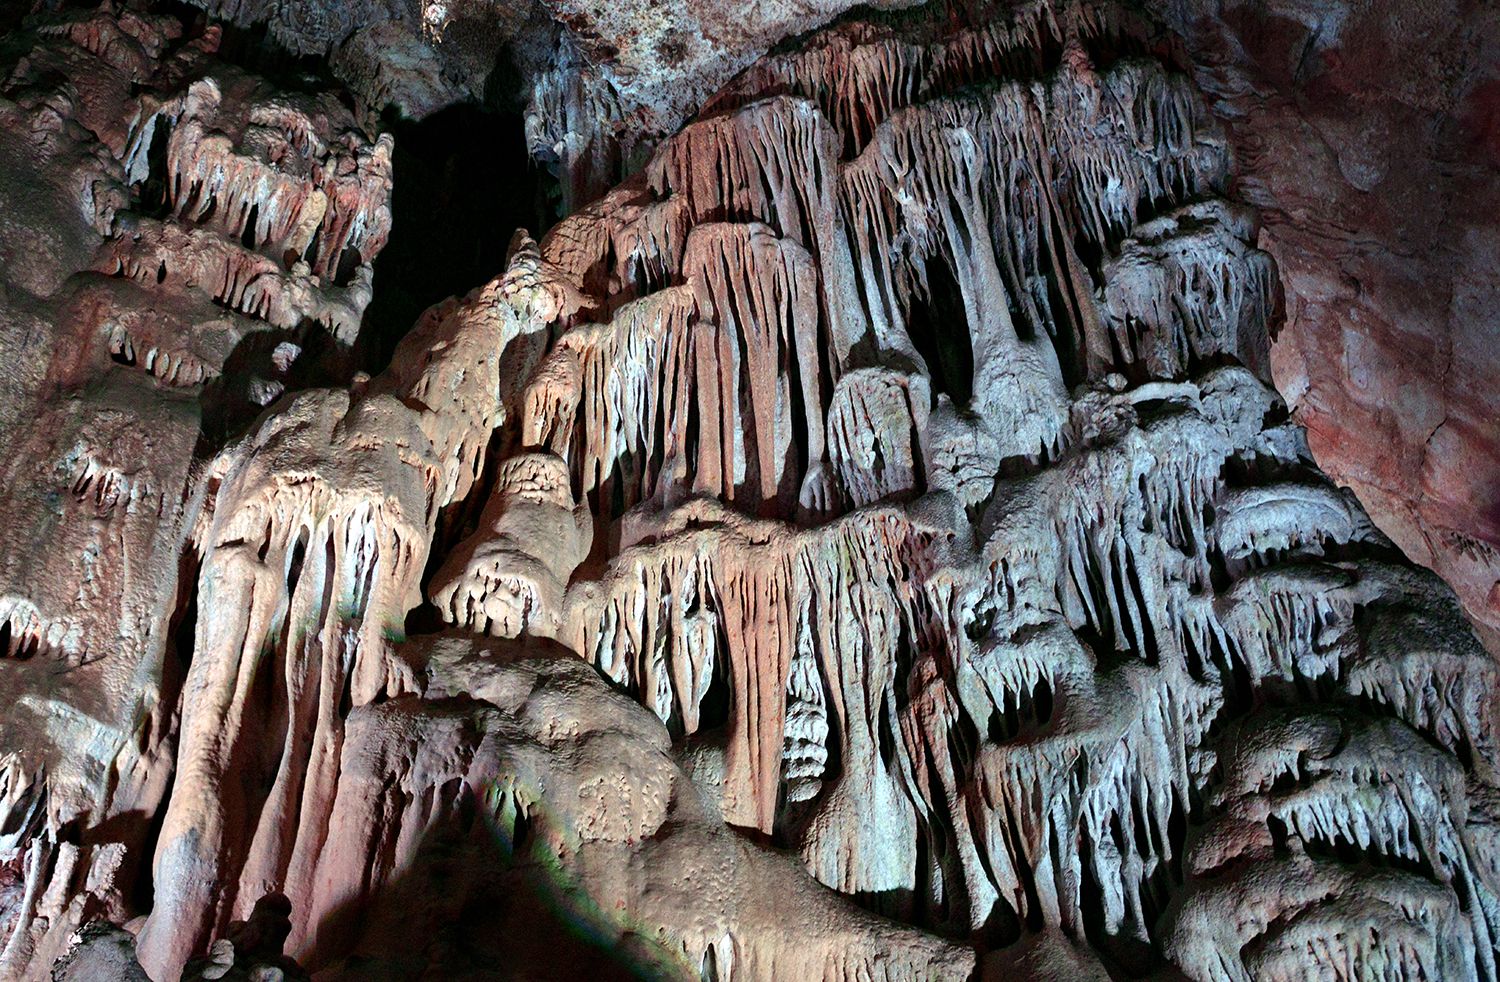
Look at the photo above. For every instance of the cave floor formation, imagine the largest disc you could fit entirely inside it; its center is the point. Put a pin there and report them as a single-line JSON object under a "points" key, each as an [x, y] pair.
{"points": [[852, 535]]}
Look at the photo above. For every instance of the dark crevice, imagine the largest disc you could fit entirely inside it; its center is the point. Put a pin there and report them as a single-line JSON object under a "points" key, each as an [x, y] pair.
{"points": [[939, 328], [463, 183], [714, 708], [253, 49], [160, 732], [247, 235]]}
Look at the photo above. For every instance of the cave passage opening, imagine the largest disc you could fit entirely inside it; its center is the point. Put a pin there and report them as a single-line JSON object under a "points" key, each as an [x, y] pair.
{"points": [[463, 183]]}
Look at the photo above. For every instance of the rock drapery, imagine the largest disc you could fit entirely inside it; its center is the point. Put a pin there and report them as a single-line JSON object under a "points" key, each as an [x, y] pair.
{"points": [[1365, 134], [862, 544]]}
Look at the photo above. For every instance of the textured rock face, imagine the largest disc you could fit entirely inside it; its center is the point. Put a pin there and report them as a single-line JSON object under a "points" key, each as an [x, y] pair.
{"points": [[1383, 226], [1365, 134], [164, 223], [862, 544], [603, 82]]}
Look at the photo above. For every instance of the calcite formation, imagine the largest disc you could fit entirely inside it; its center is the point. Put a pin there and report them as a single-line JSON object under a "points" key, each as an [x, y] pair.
{"points": [[1386, 240], [862, 544]]}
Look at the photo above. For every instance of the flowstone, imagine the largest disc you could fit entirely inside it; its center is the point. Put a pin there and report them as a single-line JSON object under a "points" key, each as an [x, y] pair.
{"points": [[864, 544]]}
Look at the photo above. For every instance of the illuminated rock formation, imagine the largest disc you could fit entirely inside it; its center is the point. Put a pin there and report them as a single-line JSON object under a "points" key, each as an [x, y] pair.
{"points": [[130, 340], [1386, 244], [863, 544]]}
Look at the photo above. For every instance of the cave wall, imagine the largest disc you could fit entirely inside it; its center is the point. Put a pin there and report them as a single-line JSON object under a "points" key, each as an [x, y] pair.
{"points": [[1382, 222], [860, 539]]}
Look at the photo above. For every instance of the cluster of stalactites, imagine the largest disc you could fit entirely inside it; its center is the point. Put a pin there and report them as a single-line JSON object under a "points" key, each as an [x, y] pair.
{"points": [[130, 41], [1187, 288], [1230, 596], [827, 406], [321, 525], [1336, 838], [717, 599], [697, 389], [876, 267], [176, 259], [860, 73], [1000, 183], [272, 176]]}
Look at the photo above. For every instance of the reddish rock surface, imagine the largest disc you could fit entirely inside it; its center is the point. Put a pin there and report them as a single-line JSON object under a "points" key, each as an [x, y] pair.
{"points": [[1368, 135]]}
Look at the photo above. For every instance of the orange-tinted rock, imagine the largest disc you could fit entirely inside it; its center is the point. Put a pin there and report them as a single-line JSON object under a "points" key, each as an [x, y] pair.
{"points": [[869, 545], [1366, 137]]}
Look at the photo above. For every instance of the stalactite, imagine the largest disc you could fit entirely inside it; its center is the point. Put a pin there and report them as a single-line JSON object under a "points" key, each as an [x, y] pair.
{"points": [[1187, 287], [867, 542], [1022, 643], [266, 177], [320, 531]]}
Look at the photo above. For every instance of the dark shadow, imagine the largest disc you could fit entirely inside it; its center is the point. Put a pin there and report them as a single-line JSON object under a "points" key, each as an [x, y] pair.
{"points": [[234, 399], [939, 327], [252, 48], [477, 904], [464, 182], [161, 725]]}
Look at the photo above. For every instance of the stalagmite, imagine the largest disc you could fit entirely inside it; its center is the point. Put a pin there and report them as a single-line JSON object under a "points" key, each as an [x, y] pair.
{"points": [[509, 578]]}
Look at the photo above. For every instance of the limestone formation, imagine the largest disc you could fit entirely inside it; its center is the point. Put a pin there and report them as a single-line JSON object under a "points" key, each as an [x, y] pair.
{"points": [[1386, 242], [862, 544]]}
